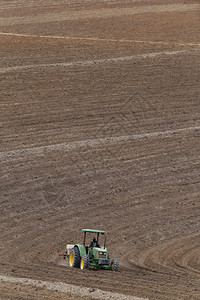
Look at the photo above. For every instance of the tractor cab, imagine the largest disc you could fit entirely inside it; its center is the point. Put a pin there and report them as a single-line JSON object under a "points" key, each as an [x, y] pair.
{"points": [[95, 240]]}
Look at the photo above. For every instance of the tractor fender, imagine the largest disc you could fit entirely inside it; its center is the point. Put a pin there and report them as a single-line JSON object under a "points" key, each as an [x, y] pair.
{"points": [[81, 249]]}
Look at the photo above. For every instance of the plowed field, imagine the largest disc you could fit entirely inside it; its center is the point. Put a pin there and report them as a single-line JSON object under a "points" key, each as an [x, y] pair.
{"points": [[100, 128]]}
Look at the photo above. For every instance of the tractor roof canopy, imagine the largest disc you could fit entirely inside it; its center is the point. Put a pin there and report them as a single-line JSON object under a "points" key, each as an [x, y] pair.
{"points": [[94, 231]]}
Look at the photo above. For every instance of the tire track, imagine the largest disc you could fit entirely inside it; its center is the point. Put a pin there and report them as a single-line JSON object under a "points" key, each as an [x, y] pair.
{"points": [[95, 39], [92, 62], [94, 142]]}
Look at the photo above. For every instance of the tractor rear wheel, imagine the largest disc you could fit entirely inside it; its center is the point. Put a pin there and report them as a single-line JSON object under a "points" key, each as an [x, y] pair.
{"points": [[85, 262], [74, 258], [115, 265]]}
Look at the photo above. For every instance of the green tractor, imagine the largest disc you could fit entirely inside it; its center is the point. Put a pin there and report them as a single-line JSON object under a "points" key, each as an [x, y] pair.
{"points": [[84, 256]]}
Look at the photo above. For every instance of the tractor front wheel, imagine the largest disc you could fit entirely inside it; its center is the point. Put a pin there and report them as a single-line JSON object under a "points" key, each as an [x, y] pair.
{"points": [[74, 258], [85, 262], [115, 265]]}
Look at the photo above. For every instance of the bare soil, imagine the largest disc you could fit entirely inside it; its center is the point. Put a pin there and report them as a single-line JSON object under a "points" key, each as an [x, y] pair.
{"points": [[100, 128]]}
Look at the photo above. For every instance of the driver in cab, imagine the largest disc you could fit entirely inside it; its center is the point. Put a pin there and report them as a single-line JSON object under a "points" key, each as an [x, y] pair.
{"points": [[94, 243]]}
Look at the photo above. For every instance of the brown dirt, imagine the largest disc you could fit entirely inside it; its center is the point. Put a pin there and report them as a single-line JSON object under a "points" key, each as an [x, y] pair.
{"points": [[145, 190]]}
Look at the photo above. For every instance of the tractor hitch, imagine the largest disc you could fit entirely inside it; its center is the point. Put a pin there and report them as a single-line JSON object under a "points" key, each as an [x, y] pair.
{"points": [[64, 255]]}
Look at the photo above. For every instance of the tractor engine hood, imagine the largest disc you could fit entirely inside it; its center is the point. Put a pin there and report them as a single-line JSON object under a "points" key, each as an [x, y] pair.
{"points": [[100, 249]]}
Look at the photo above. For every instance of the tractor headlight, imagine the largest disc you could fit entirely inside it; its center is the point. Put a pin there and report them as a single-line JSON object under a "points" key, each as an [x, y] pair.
{"points": [[101, 255]]}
